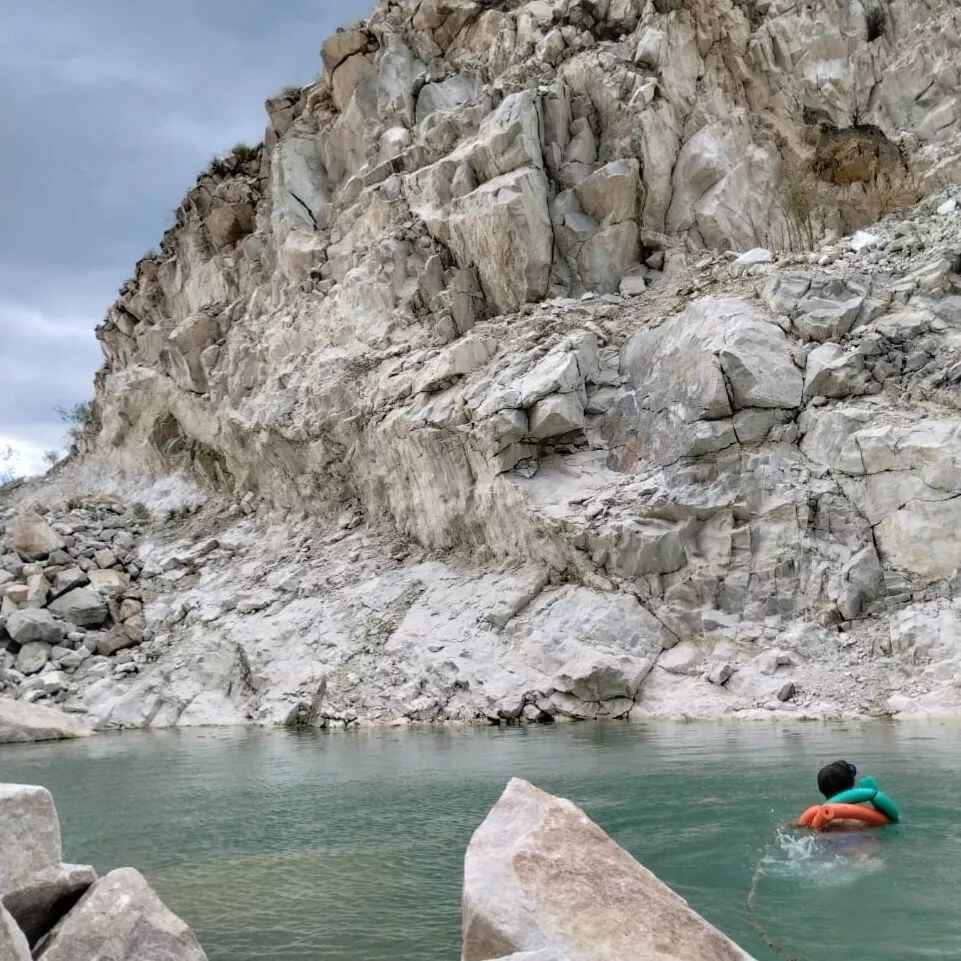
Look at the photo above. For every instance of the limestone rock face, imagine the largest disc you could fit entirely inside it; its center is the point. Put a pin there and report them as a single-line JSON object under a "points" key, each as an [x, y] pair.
{"points": [[541, 877], [121, 919], [21, 722], [555, 360]]}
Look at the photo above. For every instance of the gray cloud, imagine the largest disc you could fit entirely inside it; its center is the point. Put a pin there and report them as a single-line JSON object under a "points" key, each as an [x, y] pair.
{"points": [[110, 110]]}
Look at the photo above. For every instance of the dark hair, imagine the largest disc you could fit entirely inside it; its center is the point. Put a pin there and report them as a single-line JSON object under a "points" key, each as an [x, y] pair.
{"points": [[836, 777]]}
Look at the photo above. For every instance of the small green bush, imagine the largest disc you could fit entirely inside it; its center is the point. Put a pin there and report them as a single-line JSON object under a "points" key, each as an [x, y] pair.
{"points": [[242, 151]]}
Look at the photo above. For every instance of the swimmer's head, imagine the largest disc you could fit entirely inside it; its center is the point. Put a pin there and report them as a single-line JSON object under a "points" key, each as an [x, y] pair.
{"points": [[836, 777]]}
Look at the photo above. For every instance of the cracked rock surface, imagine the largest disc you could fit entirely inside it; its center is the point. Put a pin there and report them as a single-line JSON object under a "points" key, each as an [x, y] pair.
{"points": [[516, 377]]}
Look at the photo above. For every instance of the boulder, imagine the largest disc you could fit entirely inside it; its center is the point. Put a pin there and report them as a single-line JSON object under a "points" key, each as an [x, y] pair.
{"points": [[32, 657], [37, 589], [83, 606], [556, 415], [114, 640], [33, 625], [67, 580], [21, 722], [607, 255], [597, 676], [32, 537], [121, 919], [539, 875], [832, 371], [47, 896], [610, 194], [718, 357], [34, 846], [13, 943], [340, 46], [503, 228], [447, 94], [109, 582]]}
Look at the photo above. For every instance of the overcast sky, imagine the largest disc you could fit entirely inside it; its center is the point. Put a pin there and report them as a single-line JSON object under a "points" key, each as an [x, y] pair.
{"points": [[109, 110]]}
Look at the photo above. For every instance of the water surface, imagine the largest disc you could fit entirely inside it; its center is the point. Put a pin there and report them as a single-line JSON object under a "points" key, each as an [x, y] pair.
{"points": [[278, 846]]}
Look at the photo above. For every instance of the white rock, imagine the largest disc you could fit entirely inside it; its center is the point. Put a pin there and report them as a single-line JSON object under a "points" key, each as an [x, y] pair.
{"points": [[32, 657], [13, 942], [122, 918], [540, 875], [33, 625], [21, 722]]}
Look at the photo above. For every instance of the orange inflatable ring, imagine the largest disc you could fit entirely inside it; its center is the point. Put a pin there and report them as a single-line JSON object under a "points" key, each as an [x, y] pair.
{"points": [[819, 816]]}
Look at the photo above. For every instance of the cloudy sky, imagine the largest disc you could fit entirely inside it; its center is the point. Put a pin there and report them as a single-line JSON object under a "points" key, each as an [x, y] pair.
{"points": [[109, 110]]}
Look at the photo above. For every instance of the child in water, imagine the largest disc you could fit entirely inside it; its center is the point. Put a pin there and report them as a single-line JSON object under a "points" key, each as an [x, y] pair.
{"points": [[836, 777], [835, 781]]}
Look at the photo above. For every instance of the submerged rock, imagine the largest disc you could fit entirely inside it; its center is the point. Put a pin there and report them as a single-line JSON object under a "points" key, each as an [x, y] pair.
{"points": [[540, 876]]}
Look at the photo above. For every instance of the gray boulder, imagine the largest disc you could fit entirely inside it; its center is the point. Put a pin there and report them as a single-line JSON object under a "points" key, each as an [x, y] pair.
{"points": [[34, 846], [834, 372], [83, 606], [67, 580], [698, 369], [13, 943], [121, 919], [32, 657], [32, 537], [34, 625], [539, 874], [42, 900], [21, 722]]}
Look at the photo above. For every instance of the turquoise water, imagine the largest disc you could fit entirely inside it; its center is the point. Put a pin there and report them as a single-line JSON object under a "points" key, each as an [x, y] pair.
{"points": [[277, 846]]}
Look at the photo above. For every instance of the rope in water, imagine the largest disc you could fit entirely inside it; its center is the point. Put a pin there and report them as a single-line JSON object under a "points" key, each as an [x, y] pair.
{"points": [[755, 921]]}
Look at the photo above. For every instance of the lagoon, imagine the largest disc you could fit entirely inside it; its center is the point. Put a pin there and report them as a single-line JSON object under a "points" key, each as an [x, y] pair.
{"points": [[348, 846]]}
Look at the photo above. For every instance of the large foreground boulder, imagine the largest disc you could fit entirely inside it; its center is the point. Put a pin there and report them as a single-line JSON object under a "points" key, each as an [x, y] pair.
{"points": [[13, 944], [121, 919], [541, 876], [30, 839], [36, 889], [21, 722]]}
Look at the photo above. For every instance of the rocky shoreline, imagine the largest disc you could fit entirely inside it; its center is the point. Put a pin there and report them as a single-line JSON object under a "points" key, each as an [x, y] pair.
{"points": [[542, 882]]}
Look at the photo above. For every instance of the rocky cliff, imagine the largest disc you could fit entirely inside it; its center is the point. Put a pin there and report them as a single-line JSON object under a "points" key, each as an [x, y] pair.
{"points": [[509, 427]]}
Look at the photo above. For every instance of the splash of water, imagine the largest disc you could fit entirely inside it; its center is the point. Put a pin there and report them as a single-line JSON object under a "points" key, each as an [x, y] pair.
{"points": [[824, 860]]}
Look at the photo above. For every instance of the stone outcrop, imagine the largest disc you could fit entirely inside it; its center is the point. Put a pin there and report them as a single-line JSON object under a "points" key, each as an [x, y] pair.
{"points": [[21, 721], [563, 360], [542, 881], [62, 911]]}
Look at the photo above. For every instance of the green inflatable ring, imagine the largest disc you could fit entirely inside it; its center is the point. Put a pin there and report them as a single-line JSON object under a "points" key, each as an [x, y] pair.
{"points": [[868, 793]]}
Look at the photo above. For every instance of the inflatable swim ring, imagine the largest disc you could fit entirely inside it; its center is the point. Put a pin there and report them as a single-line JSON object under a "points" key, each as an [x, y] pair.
{"points": [[820, 816], [852, 805]]}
